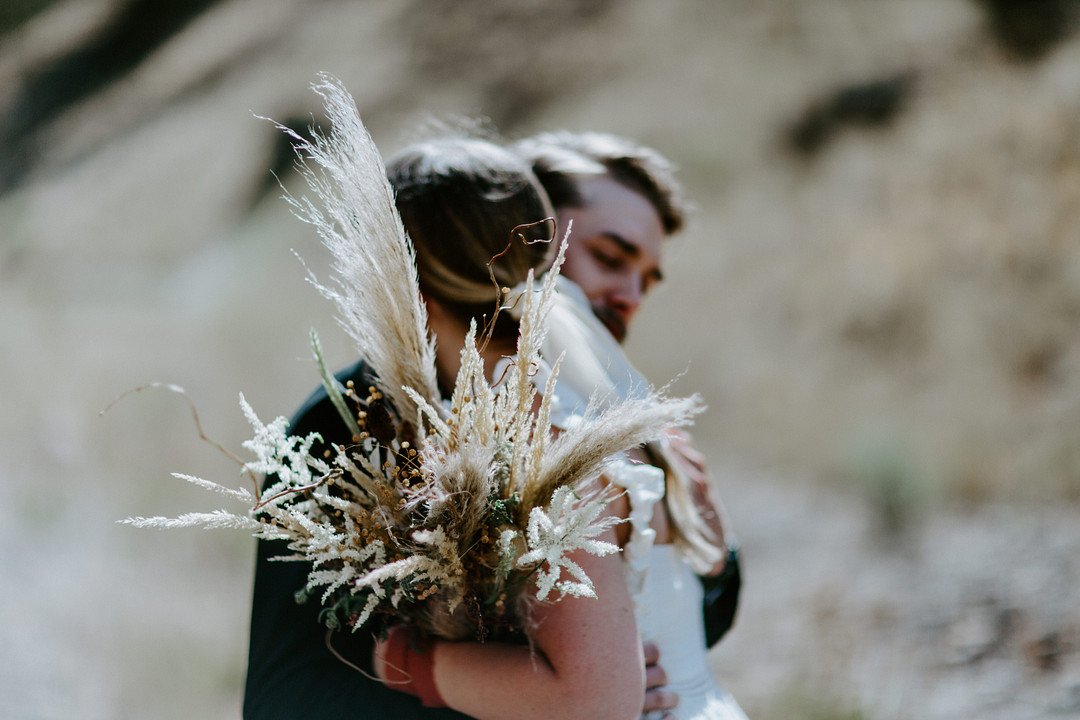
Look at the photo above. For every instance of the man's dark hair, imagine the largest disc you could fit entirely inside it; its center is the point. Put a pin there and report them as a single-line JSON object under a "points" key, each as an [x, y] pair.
{"points": [[560, 158]]}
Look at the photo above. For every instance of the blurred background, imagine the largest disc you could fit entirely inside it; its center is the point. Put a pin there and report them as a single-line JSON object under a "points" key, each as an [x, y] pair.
{"points": [[878, 296]]}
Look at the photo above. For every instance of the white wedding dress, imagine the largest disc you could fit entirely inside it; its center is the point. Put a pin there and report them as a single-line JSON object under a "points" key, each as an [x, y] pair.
{"points": [[668, 601], [669, 613]]}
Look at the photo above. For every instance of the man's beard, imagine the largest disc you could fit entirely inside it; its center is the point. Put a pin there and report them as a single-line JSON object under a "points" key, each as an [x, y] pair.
{"points": [[611, 320]]}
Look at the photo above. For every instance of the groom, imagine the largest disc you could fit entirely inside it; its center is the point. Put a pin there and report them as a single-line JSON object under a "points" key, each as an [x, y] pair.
{"points": [[624, 202]]}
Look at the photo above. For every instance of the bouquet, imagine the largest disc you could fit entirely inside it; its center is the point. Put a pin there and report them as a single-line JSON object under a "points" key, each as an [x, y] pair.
{"points": [[451, 516]]}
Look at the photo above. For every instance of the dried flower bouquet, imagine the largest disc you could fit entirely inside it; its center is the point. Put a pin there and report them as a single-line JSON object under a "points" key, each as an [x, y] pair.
{"points": [[450, 516]]}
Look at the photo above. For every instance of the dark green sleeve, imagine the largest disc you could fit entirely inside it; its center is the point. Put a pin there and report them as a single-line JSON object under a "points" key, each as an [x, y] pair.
{"points": [[722, 599]]}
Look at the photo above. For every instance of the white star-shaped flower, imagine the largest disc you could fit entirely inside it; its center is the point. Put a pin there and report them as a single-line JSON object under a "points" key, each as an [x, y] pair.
{"points": [[567, 526]]}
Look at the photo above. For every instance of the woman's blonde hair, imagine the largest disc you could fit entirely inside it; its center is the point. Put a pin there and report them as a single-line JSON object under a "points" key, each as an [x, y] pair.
{"points": [[460, 199]]}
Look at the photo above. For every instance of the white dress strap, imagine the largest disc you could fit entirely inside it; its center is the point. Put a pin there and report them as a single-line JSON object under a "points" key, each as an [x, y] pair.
{"points": [[644, 486]]}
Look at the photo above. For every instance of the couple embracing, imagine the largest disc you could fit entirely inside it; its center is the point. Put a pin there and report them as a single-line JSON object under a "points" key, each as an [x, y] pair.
{"points": [[640, 647]]}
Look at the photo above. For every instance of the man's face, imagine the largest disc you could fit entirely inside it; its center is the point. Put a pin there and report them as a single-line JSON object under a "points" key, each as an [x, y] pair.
{"points": [[615, 249]]}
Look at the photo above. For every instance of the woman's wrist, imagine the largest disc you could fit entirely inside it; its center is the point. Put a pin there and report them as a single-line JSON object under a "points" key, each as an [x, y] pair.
{"points": [[408, 665]]}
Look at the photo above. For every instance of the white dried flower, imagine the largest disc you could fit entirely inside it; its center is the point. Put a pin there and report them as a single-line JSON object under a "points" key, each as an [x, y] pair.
{"points": [[568, 525]]}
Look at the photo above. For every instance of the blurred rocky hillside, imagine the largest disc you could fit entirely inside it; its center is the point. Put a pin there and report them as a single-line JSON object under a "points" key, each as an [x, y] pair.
{"points": [[878, 296]]}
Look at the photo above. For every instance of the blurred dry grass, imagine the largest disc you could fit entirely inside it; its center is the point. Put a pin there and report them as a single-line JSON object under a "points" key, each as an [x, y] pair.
{"points": [[886, 328]]}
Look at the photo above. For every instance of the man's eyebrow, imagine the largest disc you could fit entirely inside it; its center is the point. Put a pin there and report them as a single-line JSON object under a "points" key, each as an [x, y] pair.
{"points": [[632, 250], [625, 245]]}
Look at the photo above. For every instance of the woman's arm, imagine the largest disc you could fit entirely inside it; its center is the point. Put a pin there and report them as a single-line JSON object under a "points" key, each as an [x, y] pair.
{"points": [[587, 661]]}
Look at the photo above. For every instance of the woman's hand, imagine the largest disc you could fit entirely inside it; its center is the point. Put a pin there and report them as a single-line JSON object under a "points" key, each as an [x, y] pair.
{"points": [[708, 504], [656, 697], [407, 664]]}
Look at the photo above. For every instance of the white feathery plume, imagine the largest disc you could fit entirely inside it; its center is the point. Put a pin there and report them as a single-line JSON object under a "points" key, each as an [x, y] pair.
{"points": [[209, 520], [242, 494], [579, 453], [375, 285]]}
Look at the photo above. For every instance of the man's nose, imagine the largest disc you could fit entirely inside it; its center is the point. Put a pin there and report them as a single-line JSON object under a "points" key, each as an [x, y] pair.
{"points": [[627, 297]]}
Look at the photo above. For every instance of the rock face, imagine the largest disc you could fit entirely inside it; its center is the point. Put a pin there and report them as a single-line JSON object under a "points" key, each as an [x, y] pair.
{"points": [[885, 247]]}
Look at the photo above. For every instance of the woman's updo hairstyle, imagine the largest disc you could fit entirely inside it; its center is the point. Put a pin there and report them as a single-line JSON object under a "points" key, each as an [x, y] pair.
{"points": [[460, 198]]}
